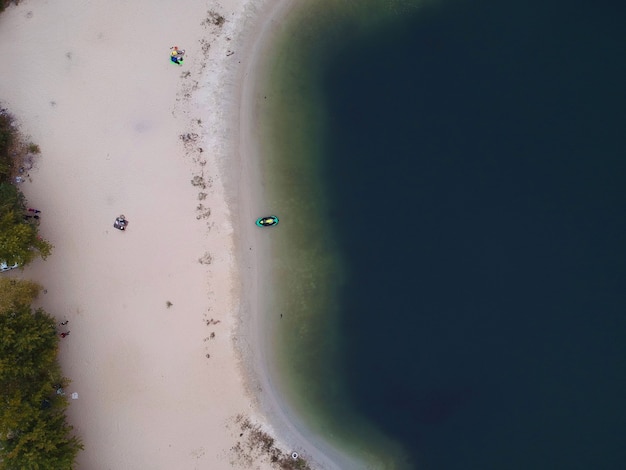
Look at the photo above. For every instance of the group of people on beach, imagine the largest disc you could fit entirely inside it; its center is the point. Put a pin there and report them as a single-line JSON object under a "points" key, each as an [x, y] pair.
{"points": [[66, 333], [32, 214], [177, 55]]}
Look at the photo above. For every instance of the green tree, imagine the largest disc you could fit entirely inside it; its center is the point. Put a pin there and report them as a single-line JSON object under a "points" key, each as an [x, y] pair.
{"points": [[7, 140], [20, 242], [11, 200], [34, 433], [16, 292], [19, 239]]}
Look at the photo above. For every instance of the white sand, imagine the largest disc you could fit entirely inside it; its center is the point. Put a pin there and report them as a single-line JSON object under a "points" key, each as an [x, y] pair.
{"points": [[91, 83]]}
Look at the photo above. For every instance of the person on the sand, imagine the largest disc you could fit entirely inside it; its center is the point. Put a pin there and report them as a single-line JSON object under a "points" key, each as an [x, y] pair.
{"points": [[176, 55], [176, 52]]}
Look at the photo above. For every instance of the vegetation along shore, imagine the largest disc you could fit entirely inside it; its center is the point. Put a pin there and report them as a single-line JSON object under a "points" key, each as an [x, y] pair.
{"points": [[34, 432]]}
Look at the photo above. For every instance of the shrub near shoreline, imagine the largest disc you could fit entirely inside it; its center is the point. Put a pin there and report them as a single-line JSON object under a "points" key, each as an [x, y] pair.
{"points": [[33, 429], [34, 433], [19, 238]]}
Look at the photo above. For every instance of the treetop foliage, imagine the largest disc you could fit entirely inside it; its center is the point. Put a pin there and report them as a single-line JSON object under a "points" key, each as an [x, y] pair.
{"points": [[34, 434], [33, 431], [19, 239], [15, 292]]}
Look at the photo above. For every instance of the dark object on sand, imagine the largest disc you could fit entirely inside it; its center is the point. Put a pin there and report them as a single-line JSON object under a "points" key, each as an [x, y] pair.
{"points": [[267, 221], [120, 223]]}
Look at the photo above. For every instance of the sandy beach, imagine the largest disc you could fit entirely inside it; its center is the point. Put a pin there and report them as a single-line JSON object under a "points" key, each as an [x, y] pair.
{"points": [[154, 312]]}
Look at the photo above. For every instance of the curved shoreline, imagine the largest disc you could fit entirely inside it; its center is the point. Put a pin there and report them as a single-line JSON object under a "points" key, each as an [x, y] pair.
{"points": [[251, 339], [255, 251]]}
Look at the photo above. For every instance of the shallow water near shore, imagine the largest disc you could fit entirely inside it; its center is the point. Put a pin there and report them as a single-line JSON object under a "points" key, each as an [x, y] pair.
{"points": [[449, 179]]}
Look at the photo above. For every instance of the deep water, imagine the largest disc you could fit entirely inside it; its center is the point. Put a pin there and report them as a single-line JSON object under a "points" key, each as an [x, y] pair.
{"points": [[452, 247], [477, 161]]}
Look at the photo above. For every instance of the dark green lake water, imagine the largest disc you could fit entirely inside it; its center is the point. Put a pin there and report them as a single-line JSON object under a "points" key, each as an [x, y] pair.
{"points": [[451, 256]]}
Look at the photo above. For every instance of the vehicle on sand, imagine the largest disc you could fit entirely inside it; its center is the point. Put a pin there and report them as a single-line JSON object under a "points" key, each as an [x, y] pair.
{"points": [[5, 267]]}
